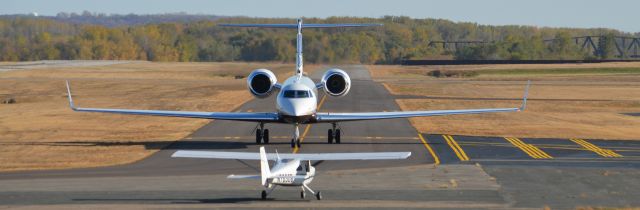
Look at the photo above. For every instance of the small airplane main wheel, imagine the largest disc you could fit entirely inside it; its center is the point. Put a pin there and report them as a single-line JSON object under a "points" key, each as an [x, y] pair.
{"points": [[293, 143], [258, 136], [265, 136], [302, 195], [298, 143], [318, 195], [338, 136], [330, 136], [264, 195]]}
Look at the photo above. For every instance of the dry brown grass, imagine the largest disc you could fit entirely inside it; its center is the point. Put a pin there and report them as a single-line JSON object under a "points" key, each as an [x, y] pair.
{"points": [[41, 132], [396, 72], [567, 106]]}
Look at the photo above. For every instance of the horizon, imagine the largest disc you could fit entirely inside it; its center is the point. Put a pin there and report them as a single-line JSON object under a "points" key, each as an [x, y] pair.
{"points": [[564, 14], [95, 14]]}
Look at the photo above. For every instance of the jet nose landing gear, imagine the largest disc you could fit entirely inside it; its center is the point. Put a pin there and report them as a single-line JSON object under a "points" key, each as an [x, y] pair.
{"points": [[295, 141], [334, 134]]}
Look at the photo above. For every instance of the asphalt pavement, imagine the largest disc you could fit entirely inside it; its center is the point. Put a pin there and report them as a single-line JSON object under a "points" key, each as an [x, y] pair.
{"points": [[444, 170]]}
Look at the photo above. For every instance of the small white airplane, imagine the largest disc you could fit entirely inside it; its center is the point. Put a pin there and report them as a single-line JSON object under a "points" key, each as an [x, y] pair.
{"points": [[296, 102], [292, 170]]}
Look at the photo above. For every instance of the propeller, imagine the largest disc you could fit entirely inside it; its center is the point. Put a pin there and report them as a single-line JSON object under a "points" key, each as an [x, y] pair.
{"points": [[250, 166], [317, 163]]}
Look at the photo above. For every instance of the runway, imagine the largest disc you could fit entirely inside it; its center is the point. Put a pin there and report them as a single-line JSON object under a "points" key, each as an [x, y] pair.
{"points": [[443, 171]]}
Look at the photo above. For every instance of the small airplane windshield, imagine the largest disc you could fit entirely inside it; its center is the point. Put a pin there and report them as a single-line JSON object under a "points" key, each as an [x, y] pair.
{"points": [[296, 94]]}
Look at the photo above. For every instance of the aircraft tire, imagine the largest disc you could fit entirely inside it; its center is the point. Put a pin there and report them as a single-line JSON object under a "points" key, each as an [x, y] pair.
{"points": [[293, 143], [298, 143], [265, 136], [264, 195], [302, 195], [258, 136], [318, 195], [330, 136], [338, 136]]}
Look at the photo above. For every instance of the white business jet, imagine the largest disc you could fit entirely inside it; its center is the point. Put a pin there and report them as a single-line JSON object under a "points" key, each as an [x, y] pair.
{"points": [[292, 170], [297, 97]]}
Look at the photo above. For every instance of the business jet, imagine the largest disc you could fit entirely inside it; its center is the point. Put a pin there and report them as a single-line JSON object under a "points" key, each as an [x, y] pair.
{"points": [[291, 170], [297, 97]]}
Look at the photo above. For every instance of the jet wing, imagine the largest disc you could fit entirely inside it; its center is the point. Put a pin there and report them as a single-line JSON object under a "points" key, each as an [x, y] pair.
{"points": [[308, 156], [238, 116], [339, 117]]}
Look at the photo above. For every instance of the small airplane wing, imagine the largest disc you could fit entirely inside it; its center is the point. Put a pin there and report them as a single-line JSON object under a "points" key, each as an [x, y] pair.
{"points": [[232, 176], [308, 156], [238, 116], [349, 156], [339, 117]]}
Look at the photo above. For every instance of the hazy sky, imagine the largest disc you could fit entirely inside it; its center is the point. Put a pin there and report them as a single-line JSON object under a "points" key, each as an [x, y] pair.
{"points": [[619, 14]]}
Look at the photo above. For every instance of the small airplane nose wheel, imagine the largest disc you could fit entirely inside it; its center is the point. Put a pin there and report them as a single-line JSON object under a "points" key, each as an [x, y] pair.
{"points": [[318, 195], [302, 194], [264, 195]]}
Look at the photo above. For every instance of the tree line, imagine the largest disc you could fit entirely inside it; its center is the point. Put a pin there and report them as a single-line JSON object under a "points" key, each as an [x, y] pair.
{"points": [[41, 38]]}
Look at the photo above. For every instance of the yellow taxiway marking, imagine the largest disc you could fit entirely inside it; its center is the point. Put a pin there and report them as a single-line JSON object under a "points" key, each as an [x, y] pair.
{"points": [[306, 130], [596, 149], [456, 148], [531, 150], [436, 160]]}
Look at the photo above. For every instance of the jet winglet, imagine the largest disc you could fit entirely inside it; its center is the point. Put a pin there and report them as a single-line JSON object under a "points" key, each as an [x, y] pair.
{"points": [[73, 107], [524, 98]]}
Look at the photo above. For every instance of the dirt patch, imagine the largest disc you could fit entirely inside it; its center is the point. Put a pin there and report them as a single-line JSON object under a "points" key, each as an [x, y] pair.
{"points": [[41, 132]]}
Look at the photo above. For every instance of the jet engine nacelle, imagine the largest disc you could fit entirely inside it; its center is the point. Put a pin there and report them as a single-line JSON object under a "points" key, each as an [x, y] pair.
{"points": [[261, 82], [336, 82]]}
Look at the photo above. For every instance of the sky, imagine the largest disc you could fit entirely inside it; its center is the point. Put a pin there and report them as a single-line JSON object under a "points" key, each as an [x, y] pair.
{"points": [[617, 14]]}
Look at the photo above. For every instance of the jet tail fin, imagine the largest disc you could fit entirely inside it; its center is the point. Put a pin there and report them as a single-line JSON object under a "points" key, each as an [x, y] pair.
{"points": [[265, 172]]}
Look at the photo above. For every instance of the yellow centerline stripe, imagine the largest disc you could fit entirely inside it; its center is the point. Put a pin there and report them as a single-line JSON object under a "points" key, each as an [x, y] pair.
{"points": [[456, 148], [592, 147], [306, 130], [530, 149], [436, 160]]}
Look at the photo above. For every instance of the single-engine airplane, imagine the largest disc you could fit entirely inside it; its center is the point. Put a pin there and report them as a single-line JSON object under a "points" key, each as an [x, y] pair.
{"points": [[290, 170], [297, 97]]}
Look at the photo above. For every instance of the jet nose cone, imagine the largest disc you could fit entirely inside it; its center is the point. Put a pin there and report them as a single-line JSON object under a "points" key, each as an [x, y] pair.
{"points": [[298, 112], [296, 108]]}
